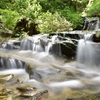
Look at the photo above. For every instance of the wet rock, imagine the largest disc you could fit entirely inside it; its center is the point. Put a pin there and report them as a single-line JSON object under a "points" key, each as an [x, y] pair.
{"points": [[66, 45], [94, 37], [66, 49], [5, 78], [7, 91], [11, 45], [26, 92], [26, 88], [46, 73], [22, 98], [32, 95], [5, 97], [91, 23], [72, 35], [61, 44]]}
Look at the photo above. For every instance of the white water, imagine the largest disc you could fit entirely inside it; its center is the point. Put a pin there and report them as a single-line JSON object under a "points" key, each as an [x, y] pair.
{"points": [[91, 23], [53, 40], [53, 73], [88, 54], [48, 67], [19, 74], [40, 43]]}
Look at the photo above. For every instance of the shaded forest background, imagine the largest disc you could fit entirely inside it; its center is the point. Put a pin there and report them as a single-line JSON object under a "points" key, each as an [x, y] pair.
{"points": [[44, 16]]}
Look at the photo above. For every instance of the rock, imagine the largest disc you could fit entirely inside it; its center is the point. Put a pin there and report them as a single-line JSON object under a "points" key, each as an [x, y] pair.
{"points": [[32, 95], [4, 96], [5, 78], [66, 44], [66, 49], [7, 91], [93, 37], [72, 35], [11, 45], [43, 74], [22, 98], [26, 88], [91, 23], [61, 44]]}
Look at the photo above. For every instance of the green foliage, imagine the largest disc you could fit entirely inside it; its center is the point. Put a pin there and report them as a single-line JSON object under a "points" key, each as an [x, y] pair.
{"points": [[94, 9], [9, 18], [49, 22], [23, 35], [72, 16], [12, 11], [70, 9], [27, 8], [55, 15], [51, 5]]}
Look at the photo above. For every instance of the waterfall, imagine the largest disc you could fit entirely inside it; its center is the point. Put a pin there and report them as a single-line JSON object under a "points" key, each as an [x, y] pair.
{"points": [[26, 45], [39, 47], [52, 41], [34, 43], [98, 24], [3, 62], [33, 61], [88, 54], [89, 48], [55, 43], [40, 43], [10, 63], [91, 23]]}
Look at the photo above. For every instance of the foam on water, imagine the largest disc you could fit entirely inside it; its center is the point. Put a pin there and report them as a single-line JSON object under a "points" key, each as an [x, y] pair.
{"points": [[70, 83]]}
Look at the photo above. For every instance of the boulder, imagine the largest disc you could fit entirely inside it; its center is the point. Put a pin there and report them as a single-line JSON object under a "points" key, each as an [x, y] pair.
{"points": [[61, 44], [66, 45]]}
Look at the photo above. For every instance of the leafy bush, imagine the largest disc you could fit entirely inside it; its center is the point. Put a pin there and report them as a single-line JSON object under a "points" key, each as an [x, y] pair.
{"points": [[49, 22], [72, 16], [28, 8], [9, 18], [18, 9], [94, 9]]}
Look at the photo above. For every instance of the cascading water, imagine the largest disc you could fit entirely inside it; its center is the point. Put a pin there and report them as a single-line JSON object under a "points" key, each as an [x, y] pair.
{"points": [[88, 54], [91, 23], [40, 43], [52, 41], [10, 63], [89, 47], [53, 73], [62, 44], [34, 43]]}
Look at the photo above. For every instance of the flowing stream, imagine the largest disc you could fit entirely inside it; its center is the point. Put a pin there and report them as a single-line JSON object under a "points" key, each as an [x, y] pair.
{"points": [[32, 65]]}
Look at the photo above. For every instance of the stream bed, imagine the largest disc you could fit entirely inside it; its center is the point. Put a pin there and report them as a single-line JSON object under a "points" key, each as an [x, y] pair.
{"points": [[39, 68], [46, 77]]}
